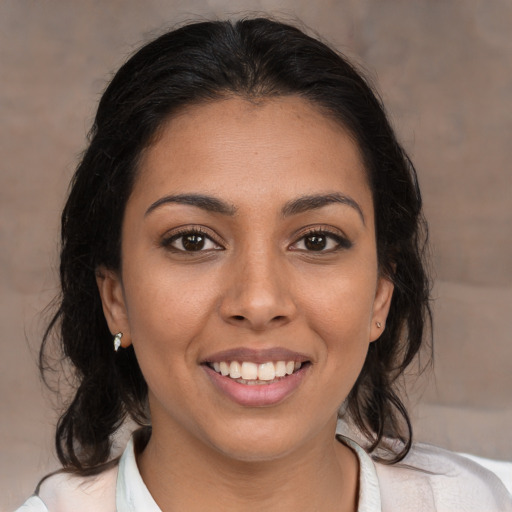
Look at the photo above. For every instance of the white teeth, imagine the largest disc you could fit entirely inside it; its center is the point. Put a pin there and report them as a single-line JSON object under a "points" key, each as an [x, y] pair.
{"points": [[224, 368], [266, 371], [280, 369], [234, 370], [250, 372]]}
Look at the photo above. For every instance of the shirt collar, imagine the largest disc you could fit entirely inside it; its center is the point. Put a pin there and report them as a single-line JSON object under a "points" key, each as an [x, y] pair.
{"points": [[132, 495], [369, 490]]}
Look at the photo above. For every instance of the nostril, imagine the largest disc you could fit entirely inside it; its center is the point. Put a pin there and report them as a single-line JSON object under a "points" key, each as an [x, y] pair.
{"points": [[238, 317]]}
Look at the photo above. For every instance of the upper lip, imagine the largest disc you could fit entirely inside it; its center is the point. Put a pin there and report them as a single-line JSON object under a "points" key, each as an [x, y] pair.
{"points": [[258, 356]]}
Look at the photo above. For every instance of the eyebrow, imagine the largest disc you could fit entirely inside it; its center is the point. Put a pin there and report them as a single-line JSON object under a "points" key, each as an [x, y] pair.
{"points": [[314, 202], [293, 207], [208, 203]]}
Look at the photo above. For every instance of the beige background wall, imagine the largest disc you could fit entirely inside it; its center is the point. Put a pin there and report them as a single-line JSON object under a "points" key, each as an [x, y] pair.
{"points": [[444, 69]]}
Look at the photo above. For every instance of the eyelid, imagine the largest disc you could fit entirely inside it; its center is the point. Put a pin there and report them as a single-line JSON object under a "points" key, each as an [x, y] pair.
{"points": [[319, 228], [175, 233], [341, 238]]}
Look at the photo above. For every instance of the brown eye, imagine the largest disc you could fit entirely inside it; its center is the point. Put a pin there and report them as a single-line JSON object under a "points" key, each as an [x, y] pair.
{"points": [[193, 242], [315, 242], [321, 242], [190, 241]]}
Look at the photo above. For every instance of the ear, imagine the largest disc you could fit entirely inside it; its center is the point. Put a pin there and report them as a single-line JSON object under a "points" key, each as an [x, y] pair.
{"points": [[381, 305], [114, 307]]}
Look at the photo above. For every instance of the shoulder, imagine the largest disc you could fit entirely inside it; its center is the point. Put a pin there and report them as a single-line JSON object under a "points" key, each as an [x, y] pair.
{"points": [[440, 481], [62, 492]]}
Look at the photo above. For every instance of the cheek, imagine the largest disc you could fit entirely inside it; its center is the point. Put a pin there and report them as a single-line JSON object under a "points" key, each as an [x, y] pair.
{"points": [[342, 307], [340, 314], [167, 311], [164, 303], [164, 321]]}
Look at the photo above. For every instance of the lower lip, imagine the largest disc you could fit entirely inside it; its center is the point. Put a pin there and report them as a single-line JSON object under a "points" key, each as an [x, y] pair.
{"points": [[257, 395]]}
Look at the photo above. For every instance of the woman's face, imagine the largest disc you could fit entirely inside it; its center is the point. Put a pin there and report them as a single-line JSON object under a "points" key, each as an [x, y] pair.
{"points": [[248, 247]]}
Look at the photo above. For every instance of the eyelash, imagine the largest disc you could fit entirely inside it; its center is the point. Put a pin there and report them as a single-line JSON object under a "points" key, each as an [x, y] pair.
{"points": [[340, 241], [190, 231]]}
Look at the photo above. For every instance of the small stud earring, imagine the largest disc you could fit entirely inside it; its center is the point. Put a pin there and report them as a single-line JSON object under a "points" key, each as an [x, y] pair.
{"points": [[117, 341], [379, 325]]}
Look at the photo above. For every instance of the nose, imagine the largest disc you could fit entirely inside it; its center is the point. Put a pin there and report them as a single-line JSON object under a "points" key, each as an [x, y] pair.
{"points": [[258, 293]]}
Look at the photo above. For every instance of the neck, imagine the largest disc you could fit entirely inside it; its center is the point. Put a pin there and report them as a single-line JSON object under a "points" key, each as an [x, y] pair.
{"points": [[185, 474]]}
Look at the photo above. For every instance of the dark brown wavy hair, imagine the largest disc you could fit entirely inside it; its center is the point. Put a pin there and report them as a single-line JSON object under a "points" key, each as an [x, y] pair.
{"points": [[202, 62]]}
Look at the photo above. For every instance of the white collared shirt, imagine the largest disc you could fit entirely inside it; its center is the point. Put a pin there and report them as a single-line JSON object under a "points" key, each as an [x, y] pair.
{"points": [[429, 479]]}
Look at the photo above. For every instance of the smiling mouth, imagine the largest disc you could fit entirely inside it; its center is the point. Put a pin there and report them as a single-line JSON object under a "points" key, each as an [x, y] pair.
{"points": [[253, 374]]}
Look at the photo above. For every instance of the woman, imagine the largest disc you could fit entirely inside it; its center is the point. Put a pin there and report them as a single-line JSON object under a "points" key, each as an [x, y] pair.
{"points": [[241, 267]]}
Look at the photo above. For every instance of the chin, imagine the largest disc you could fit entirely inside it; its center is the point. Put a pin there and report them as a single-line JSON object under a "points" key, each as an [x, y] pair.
{"points": [[263, 441], [257, 451]]}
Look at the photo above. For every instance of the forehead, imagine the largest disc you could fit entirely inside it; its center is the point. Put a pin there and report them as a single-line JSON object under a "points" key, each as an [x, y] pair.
{"points": [[273, 147]]}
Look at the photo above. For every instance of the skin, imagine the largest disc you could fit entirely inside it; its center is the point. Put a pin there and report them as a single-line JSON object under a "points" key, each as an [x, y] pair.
{"points": [[255, 284]]}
